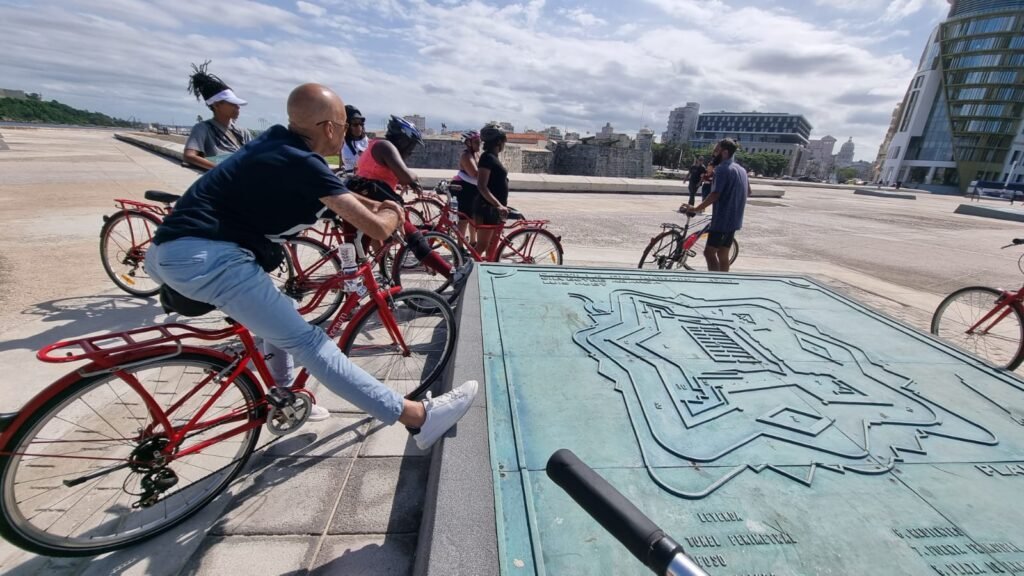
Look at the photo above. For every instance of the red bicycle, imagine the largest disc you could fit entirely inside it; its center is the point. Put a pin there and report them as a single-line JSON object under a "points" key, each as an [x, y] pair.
{"points": [[523, 242], [125, 237], [986, 322], [156, 424]]}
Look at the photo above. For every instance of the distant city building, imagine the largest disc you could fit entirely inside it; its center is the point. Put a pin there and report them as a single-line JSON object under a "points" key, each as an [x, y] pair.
{"points": [[13, 94], [572, 136], [553, 133], [506, 126], [845, 156], [527, 138], [682, 123], [777, 133], [962, 115], [876, 170], [418, 121], [817, 159]]}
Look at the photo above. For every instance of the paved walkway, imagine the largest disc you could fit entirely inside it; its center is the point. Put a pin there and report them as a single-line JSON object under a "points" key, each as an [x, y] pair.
{"points": [[343, 497]]}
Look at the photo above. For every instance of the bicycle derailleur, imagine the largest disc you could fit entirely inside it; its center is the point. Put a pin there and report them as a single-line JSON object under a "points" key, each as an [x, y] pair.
{"points": [[288, 410], [149, 460]]}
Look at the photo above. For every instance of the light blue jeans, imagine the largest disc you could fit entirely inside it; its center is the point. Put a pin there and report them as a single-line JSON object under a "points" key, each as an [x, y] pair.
{"points": [[227, 276]]}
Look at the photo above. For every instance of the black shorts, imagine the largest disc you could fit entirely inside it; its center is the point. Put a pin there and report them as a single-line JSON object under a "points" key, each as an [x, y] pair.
{"points": [[466, 196], [721, 239], [485, 212]]}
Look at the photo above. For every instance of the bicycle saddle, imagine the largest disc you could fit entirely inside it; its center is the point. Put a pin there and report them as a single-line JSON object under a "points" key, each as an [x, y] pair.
{"points": [[165, 197], [514, 214], [1018, 241], [173, 301], [671, 226]]}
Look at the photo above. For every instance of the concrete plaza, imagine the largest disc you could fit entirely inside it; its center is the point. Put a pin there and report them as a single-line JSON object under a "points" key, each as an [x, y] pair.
{"points": [[344, 496]]}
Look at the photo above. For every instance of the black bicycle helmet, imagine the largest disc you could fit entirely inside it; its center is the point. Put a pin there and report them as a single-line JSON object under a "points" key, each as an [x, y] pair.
{"points": [[403, 134], [353, 113], [492, 133]]}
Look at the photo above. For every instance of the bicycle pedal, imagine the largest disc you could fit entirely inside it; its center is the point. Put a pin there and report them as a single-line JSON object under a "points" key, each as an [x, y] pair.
{"points": [[280, 396], [289, 418]]}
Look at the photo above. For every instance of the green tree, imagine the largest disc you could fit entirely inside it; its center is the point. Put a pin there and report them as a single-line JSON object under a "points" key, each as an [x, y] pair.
{"points": [[844, 174], [53, 112]]}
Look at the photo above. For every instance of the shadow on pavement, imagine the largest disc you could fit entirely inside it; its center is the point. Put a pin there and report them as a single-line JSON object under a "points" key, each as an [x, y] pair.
{"points": [[83, 315]]}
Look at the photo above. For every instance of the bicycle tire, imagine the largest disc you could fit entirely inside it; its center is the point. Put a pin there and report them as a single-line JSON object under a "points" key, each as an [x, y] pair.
{"points": [[428, 208], [180, 501], [658, 253], [132, 258], [520, 247], [370, 347], [418, 276], [311, 253], [693, 259], [1005, 349]]}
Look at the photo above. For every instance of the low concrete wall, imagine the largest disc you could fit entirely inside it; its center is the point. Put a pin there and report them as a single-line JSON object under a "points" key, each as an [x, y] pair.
{"points": [[171, 149], [799, 184], [884, 194], [990, 212], [518, 182]]}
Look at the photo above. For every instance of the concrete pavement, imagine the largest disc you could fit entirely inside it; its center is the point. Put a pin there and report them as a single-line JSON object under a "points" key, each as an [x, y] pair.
{"points": [[325, 500]]}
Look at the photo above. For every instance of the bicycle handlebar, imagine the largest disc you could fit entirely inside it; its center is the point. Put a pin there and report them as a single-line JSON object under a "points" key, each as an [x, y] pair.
{"points": [[641, 536]]}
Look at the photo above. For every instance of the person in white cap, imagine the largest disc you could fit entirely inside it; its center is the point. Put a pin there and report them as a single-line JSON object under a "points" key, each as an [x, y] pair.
{"points": [[217, 138]]}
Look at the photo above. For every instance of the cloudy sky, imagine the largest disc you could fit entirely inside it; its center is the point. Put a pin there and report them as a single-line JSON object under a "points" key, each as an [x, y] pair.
{"points": [[844, 64]]}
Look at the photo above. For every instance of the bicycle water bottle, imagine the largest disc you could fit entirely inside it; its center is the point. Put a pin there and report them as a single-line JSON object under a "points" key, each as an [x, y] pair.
{"points": [[454, 204], [347, 252]]}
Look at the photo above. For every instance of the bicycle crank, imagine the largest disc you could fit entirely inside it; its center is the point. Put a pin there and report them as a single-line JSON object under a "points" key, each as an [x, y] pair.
{"points": [[288, 411]]}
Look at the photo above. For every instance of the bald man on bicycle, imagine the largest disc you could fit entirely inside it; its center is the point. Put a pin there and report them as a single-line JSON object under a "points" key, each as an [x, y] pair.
{"points": [[225, 231]]}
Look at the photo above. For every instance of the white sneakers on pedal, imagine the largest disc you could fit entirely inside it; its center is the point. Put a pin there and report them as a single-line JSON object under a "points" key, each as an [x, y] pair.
{"points": [[443, 412], [318, 414]]}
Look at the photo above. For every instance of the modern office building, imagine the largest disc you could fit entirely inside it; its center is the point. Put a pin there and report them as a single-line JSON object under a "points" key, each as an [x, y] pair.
{"points": [[961, 118], [682, 123], [785, 134]]}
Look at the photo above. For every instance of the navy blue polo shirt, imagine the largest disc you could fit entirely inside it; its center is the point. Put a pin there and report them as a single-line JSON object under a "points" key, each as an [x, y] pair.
{"points": [[731, 184], [268, 190]]}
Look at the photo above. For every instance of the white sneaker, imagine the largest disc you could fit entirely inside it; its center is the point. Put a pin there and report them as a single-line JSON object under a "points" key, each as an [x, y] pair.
{"points": [[318, 413], [443, 412]]}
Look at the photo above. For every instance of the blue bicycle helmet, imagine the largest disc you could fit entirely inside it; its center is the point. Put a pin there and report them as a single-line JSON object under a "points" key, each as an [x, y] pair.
{"points": [[403, 134]]}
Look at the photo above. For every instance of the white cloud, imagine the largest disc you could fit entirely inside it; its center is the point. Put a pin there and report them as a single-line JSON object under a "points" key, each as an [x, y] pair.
{"points": [[311, 9], [583, 18], [463, 63]]}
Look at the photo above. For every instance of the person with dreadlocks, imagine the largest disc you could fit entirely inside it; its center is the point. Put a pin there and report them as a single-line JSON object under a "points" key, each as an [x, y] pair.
{"points": [[212, 140]]}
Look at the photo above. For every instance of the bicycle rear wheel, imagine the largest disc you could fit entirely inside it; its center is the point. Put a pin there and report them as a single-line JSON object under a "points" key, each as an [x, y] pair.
{"points": [[124, 239], [658, 254], [99, 435], [429, 209], [1001, 344], [531, 246], [427, 326], [409, 272], [693, 258]]}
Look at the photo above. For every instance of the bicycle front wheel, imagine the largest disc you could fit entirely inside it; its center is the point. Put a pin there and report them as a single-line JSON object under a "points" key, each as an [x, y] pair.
{"points": [[693, 257], [312, 265], [658, 254], [429, 210], [427, 329], [75, 476], [409, 272], [531, 246], [999, 339], [124, 239]]}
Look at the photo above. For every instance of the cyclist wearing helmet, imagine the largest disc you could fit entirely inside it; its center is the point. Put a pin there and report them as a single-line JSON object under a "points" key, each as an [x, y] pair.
{"points": [[383, 167], [492, 181], [356, 141], [466, 178]]}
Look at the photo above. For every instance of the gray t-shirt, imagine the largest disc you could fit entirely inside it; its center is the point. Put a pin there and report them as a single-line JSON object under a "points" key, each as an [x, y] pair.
{"points": [[210, 139], [731, 184]]}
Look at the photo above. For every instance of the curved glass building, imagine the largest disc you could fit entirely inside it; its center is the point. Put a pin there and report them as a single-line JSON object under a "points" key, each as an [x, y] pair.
{"points": [[962, 115]]}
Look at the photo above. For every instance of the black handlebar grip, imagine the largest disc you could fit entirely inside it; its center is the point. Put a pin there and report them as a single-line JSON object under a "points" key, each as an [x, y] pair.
{"points": [[612, 510]]}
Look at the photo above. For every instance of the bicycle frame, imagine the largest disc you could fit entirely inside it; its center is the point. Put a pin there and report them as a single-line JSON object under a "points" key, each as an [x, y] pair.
{"points": [[499, 239], [117, 352], [1004, 307], [128, 206]]}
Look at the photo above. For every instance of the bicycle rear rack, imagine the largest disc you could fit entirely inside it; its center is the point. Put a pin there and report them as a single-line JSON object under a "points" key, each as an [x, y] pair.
{"points": [[95, 347]]}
